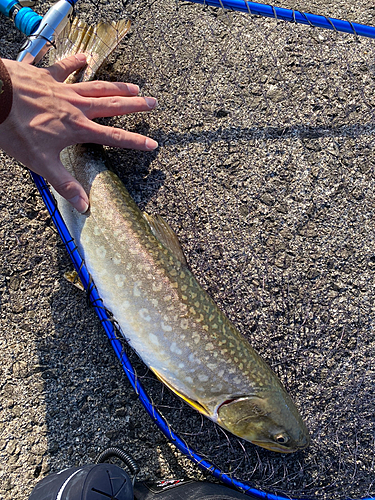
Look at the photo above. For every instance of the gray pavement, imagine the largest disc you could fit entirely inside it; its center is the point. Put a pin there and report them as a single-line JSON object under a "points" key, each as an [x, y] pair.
{"points": [[266, 172]]}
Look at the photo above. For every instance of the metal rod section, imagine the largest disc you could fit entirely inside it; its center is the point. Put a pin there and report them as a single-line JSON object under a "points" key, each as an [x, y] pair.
{"points": [[293, 16]]}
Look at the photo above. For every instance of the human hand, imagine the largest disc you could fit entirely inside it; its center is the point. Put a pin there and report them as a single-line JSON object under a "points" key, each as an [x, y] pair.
{"points": [[48, 115]]}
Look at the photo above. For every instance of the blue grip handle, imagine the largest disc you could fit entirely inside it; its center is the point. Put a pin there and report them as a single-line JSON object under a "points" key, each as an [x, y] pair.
{"points": [[6, 5], [27, 21]]}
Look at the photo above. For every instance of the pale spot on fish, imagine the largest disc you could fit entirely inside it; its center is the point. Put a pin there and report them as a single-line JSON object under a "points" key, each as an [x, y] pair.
{"points": [[184, 324], [182, 275], [197, 304], [156, 287], [189, 380], [237, 380], [209, 346], [136, 290], [202, 377], [144, 314], [101, 252], [165, 327], [212, 366], [154, 302], [120, 279], [217, 388], [125, 304], [153, 338], [129, 265], [191, 358], [117, 259], [220, 373], [85, 238], [174, 348], [168, 298], [181, 365], [97, 231], [183, 288]]}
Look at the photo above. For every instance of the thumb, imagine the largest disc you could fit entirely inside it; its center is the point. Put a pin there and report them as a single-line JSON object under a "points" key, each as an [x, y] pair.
{"points": [[68, 187], [62, 69]]}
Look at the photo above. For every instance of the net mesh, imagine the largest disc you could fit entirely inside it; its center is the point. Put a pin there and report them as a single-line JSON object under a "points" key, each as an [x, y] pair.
{"points": [[265, 170]]}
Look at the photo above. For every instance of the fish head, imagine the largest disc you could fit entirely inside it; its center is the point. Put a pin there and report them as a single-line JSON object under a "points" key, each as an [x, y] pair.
{"points": [[271, 421]]}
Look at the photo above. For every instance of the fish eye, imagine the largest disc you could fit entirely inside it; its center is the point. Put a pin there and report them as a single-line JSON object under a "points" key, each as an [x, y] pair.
{"points": [[281, 438]]}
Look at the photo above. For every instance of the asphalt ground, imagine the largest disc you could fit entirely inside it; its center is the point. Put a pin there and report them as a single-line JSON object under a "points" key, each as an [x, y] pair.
{"points": [[265, 170]]}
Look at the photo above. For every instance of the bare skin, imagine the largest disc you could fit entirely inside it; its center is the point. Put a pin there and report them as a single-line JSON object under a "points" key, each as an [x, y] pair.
{"points": [[48, 115]]}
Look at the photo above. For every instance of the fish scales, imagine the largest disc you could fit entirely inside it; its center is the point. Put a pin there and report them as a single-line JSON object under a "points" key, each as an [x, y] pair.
{"points": [[162, 298], [167, 317]]}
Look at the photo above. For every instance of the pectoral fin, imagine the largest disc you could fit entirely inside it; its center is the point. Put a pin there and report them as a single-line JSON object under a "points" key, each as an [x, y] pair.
{"points": [[73, 277], [197, 406], [165, 234]]}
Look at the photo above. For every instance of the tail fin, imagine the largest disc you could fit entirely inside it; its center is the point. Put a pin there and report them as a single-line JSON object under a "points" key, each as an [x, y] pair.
{"points": [[97, 42]]}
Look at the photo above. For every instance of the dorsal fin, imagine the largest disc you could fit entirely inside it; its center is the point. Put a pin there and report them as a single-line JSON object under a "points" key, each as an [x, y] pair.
{"points": [[165, 234]]}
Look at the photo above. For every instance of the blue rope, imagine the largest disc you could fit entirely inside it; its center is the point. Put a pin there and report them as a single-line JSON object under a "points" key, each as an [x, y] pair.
{"points": [[110, 330], [294, 16]]}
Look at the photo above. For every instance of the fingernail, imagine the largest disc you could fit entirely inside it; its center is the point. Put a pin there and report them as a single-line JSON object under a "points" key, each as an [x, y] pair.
{"points": [[81, 57], [79, 204], [151, 102], [151, 144], [133, 89]]}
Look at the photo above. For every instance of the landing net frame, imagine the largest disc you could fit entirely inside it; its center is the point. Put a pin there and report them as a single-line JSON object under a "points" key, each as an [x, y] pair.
{"points": [[136, 384]]}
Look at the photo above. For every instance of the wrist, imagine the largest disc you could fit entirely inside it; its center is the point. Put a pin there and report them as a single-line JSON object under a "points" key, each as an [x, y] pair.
{"points": [[6, 92]]}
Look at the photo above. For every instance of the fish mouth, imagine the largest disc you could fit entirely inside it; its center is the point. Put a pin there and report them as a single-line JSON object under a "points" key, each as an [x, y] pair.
{"points": [[275, 447], [270, 446]]}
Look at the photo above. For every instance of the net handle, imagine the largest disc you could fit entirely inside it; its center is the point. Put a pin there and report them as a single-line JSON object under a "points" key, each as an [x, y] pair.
{"points": [[293, 16]]}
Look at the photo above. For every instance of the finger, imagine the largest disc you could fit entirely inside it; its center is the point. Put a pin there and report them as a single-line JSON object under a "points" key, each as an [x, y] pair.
{"points": [[115, 106], [62, 69], [105, 89], [68, 187], [116, 137]]}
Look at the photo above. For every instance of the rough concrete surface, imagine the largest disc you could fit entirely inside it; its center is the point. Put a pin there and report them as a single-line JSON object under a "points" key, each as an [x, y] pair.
{"points": [[265, 170]]}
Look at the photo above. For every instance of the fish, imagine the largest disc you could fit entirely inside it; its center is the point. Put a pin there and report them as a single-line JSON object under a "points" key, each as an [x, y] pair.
{"points": [[142, 276]]}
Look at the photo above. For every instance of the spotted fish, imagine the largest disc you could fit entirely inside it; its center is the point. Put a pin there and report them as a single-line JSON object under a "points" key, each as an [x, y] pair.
{"points": [[142, 276]]}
